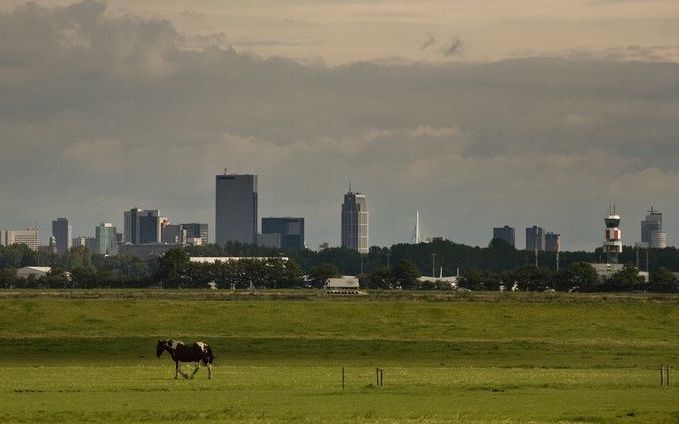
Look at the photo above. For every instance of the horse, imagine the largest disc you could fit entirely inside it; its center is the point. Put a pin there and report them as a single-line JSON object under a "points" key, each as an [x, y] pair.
{"points": [[180, 352]]}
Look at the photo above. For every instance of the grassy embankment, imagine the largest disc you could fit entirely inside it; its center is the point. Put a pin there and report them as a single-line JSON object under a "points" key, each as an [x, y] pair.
{"points": [[88, 356]]}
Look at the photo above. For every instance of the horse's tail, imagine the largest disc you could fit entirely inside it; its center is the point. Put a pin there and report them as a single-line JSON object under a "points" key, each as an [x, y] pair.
{"points": [[209, 356]]}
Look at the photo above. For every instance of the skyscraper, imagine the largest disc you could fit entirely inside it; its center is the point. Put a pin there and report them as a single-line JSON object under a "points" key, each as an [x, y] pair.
{"points": [[355, 222], [535, 238], [553, 242], [149, 227], [62, 232], [291, 231], [651, 230], [236, 209], [505, 233], [131, 226], [198, 231], [105, 239]]}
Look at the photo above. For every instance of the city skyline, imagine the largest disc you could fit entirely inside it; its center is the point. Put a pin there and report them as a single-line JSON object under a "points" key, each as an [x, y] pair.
{"points": [[478, 138]]}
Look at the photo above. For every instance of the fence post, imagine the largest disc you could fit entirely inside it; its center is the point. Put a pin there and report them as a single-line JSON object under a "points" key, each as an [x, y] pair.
{"points": [[379, 377], [342, 378], [662, 376]]}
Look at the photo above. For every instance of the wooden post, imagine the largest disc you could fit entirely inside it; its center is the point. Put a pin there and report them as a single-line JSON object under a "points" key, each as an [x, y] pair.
{"points": [[379, 377], [665, 372], [342, 378], [662, 376]]}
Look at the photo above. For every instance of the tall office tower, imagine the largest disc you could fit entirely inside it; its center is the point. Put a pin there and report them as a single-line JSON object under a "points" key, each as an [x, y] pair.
{"points": [[355, 222], [29, 237], [505, 233], [131, 226], [197, 230], [105, 239], [553, 242], [535, 238], [149, 227], [236, 209], [291, 231], [62, 232], [651, 230]]}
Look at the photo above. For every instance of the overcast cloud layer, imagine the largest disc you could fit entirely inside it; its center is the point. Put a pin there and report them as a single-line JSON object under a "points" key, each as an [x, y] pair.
{"points": [[100, 113]]}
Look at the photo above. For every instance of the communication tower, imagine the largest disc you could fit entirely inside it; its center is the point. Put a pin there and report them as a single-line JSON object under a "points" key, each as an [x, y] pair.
{"points": [[613, 244]]}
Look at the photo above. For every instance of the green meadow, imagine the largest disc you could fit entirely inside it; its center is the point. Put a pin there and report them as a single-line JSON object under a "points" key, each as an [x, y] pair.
{"points": [[89, 356]]}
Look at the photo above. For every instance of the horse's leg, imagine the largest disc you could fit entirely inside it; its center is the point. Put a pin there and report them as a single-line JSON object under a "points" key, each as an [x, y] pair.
{"points": [[176, 369], [195, 370], [209, 370], [179, 371]]}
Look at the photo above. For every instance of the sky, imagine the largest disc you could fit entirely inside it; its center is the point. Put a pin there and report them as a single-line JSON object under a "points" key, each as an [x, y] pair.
{"points": [[477, 114]]}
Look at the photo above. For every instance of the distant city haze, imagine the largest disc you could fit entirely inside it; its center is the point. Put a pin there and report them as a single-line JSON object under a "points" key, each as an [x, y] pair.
{"points": [[528, 113]]}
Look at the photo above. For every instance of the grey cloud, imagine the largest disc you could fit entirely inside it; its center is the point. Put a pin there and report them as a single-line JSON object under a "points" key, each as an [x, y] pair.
{"points": [[628, 53], [101, 113]]}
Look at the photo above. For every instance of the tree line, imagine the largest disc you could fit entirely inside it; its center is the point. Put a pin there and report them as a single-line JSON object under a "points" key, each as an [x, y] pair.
{"points": [[398, 266]]}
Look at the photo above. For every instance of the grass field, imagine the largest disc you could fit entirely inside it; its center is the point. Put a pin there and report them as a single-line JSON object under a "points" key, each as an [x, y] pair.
{"points": [[89, 357]]}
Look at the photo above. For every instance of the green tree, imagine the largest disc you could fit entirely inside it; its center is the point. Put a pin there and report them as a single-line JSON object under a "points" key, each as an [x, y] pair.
{"points": [[664, 281], [173, 267], [84, 277], [320, 274], [8, 277], [626, 279], [405, 273], [583, 276], [381, 278]]}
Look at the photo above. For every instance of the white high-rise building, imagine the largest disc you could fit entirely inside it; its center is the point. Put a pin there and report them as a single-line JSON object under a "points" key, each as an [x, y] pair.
{"points": [[28, 237]]}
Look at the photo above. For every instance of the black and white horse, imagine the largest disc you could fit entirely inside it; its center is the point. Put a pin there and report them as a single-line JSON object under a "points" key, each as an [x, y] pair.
{"points": [[180, 352]]}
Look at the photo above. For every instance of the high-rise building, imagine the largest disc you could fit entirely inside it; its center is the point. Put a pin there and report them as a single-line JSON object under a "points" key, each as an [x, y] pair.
{"points": [[236, 209], [105, 239], [196, 230], [79, 241], [651, 230], [505, 233], [62, 232], [149, 227], [290, 229], [535, 238], [553, 242], [142, 226], [29, 237], [355, 222], [173, 234], [131, 226], [272, 240]]}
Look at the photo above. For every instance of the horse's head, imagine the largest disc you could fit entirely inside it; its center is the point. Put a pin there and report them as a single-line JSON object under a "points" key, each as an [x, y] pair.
{"points": [[160, 347]]}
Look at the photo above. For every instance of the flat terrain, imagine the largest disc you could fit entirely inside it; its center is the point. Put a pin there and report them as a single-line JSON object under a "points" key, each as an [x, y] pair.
{"points": [[88, 356]]}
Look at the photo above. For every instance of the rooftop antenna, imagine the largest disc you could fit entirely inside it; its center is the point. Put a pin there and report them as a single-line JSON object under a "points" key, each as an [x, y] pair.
{"points": [[350, 186], [225, 173]]}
